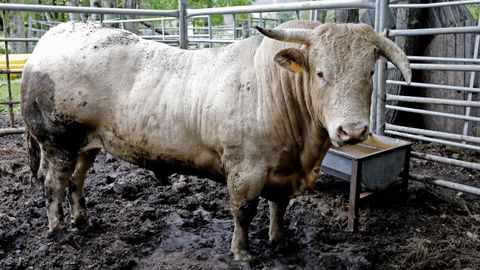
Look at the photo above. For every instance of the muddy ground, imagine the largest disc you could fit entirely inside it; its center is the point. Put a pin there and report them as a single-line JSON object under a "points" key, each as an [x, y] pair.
{"points": [[138, 222]]}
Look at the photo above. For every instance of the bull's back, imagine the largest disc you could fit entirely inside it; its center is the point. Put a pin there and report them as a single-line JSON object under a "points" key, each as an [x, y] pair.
{"points": [[143, 101]]}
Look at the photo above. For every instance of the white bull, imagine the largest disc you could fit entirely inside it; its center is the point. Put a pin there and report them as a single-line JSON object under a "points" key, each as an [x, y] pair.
{"points": [[260, 113]]}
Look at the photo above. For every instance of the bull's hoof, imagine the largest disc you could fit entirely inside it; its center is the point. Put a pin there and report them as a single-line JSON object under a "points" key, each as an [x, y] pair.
{"points": [[242, 256], [57, 234], [82, 225], [276, 238]]}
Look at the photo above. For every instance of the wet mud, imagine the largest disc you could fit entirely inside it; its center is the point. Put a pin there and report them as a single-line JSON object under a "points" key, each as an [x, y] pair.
{"points": [[180, 222]]}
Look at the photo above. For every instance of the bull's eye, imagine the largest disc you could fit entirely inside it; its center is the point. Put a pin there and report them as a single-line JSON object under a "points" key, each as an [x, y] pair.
{"points": [[320, 75]]}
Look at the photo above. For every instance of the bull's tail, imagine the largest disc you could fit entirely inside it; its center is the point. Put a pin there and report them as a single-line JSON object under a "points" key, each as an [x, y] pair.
{"points": [[34, 157]]}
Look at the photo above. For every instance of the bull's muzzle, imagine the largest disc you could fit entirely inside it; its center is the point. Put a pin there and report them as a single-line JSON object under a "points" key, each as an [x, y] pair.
{"points": [[352, 133]]}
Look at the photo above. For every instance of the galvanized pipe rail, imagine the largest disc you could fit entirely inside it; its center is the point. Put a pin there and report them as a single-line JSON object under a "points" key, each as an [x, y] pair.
{"points": [[437, 86], [435, 113], [439, 101], [432, 133], [445, 183], [454, 162], [428, 139], [435, 31], [90, 10], [445, 67], [326, 4], [443, 59]]}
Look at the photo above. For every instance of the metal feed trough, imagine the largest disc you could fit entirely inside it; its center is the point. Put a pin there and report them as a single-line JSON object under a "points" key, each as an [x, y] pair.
{"points": [[373, 165]]}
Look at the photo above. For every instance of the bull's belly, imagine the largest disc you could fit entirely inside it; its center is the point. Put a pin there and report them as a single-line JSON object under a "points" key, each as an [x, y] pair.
{"points": [[199, 161]]}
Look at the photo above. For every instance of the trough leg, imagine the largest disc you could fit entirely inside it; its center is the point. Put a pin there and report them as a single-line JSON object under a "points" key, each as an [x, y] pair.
{"points": [[405, 173], [75, 188], [355, 183], [277, 213], [244, 185]]}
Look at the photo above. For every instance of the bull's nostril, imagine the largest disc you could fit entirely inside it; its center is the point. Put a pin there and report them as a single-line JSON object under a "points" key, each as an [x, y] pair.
{"points": [[364, 131], [341, 132]]}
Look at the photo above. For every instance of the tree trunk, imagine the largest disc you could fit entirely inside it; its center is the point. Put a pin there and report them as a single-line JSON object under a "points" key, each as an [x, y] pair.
{"points": [[76, 16], [346, 16], [322, 15], [132, 26], [109, 4], [16, 29], [411, 45], [95, 3]]}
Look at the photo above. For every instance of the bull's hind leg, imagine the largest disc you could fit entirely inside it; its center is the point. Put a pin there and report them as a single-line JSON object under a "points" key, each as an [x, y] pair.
{"points": [[75, 187], [59, 171]]}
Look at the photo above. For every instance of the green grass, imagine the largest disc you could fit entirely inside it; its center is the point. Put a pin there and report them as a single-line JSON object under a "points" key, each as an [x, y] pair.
{"points": [[4, 93]]}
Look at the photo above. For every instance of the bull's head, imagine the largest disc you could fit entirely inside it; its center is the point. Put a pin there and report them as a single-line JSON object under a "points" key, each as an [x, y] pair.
{"points": [[338, 60]]}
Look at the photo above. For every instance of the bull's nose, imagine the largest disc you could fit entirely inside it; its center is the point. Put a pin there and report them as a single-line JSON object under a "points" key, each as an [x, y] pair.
{"points": [[352, 134]]}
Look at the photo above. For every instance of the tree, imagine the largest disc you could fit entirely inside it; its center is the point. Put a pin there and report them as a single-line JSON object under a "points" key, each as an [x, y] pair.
{"points": [[346, 16], [16, 29], [133, 4]]}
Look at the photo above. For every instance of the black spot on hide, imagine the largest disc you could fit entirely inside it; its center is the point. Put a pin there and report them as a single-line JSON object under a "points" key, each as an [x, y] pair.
{"points": [[60, 136]]}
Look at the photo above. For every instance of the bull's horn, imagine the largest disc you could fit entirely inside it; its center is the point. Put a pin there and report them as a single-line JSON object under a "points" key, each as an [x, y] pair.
{"points": [[301, 36], [392, 52]]}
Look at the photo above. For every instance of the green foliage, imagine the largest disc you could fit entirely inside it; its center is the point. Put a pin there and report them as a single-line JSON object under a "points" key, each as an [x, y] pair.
{"points": [[168, 4], [4, 93], [217, 19], [474, 10]]}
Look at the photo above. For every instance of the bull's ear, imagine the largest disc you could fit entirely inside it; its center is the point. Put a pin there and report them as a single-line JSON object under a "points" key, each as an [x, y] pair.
{"points": [[293, 60]]}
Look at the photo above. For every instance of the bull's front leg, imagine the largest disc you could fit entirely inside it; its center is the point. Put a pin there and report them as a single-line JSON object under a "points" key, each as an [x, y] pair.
{"points": [[277, 213], [244, 185]]}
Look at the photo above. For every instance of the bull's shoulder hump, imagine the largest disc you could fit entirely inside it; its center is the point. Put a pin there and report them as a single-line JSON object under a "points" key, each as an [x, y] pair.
{"points": [[90, 32]]}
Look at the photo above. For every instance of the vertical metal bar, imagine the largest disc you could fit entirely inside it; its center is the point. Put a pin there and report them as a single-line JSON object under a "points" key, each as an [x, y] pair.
{"points": [[210, 34], [249, 24], [163, 28], [234, 28], [373, 108], [7, 66], [355, 183], [472, 82], [382, 73], [29, 44], [297, 13], [183, 25], [312, 15], [260, 20]]}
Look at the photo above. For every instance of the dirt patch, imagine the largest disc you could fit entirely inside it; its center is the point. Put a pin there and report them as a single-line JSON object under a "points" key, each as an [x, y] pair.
{"points": [[139, 222]]}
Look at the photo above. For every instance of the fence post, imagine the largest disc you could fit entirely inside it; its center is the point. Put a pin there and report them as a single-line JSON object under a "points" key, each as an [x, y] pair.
{"points": [[381, 70], [7, 67], [471, 82], [183, 25], [30, 35]]}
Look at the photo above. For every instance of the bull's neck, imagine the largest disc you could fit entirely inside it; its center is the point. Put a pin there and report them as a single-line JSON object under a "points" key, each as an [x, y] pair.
{"points": [[292, 110]]}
